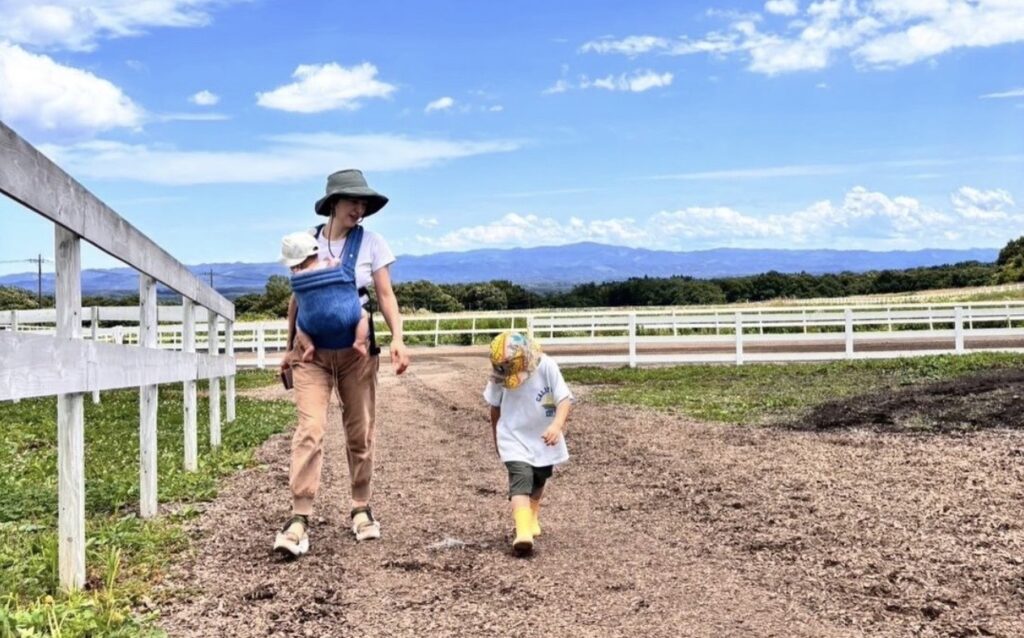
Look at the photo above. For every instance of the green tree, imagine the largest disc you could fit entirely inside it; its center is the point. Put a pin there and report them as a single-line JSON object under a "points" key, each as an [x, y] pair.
{"points": [[12, 298]]}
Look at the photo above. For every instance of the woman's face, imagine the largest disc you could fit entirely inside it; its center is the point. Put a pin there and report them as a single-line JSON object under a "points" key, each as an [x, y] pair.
{"points": [[349, 212]]}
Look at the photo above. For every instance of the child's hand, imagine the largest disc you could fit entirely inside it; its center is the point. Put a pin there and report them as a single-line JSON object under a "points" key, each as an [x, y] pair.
{"points": [[552, 434]]}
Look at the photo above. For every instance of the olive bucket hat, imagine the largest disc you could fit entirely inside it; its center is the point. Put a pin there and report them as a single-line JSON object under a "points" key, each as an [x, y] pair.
{"points": [[349, 184]]}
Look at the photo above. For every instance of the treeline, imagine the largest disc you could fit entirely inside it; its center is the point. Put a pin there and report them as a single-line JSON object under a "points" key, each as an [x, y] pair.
{"points": [[638, 291]]}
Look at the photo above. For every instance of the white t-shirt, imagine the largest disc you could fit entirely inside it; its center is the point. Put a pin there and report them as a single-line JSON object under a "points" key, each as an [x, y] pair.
{"points": [[374, 254], [526, 412]]}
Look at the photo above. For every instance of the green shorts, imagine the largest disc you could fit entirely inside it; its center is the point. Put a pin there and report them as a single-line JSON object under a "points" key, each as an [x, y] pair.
{"points": [[526, 480]]}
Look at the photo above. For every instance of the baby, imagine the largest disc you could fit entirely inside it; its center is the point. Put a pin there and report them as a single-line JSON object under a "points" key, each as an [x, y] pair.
{"points": [[299, 252]]}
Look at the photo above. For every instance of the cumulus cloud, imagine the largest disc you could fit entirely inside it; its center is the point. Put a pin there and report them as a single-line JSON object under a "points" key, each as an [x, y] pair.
{"points": [[284, 158], [975, 204], [440, 104], [326, 87], [75, 25], [782, 7], [861, 219], [45, 95], [204, 98], [427, 222], [875, 34]]}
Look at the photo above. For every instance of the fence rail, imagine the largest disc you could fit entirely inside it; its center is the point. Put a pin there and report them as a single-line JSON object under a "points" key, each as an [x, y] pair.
{"points": [[59, 361], [660, 336]]}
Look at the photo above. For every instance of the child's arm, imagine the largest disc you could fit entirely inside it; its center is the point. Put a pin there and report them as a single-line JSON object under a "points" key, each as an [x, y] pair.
{"points": [[495, 415], [557, 427]]}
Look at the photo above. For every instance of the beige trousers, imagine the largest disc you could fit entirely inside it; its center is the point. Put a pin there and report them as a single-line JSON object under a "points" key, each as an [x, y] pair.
{"points": [[355, 378]]}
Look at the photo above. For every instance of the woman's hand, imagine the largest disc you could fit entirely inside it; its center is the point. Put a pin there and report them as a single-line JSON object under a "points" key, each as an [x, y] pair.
{"points": [[304, 345], [399, 356]]}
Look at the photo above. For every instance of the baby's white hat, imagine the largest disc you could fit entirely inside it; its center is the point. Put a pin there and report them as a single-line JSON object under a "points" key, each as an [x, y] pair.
{"points": [[296, 247]]}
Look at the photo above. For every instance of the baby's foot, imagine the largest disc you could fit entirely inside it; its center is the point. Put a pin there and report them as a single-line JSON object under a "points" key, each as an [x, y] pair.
{"points": [[361, 348]]}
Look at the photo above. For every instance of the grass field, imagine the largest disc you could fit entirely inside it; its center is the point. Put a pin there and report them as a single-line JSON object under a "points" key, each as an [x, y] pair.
{"points": [[125, 555], [760, 392]]}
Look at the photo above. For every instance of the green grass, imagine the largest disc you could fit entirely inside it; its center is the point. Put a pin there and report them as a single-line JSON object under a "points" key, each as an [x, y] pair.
{"points": [[125, 556], [755, 393]]}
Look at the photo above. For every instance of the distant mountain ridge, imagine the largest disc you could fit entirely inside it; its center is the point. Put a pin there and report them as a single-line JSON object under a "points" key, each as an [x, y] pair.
{"points": [[555, 266]]}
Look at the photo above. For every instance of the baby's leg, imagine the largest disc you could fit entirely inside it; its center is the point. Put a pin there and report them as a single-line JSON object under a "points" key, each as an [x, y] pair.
{"points": [[362, 341]]}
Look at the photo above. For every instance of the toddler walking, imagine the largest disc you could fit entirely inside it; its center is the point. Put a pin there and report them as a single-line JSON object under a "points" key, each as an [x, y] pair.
{"points": [[530, 403]]}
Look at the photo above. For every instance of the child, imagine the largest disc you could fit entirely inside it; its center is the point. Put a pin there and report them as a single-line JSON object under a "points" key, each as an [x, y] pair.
{"points": [[299, 252], [529, 406]]}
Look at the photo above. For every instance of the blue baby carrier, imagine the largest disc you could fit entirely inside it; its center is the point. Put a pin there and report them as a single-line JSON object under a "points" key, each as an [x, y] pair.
{"points": [[328, 300]]}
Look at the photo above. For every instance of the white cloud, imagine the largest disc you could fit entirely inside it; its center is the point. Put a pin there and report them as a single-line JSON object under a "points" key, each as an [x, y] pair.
{"points": [[204, 98], [974, 204], [1004, 94], [440, 104], [561, 86], [631, 46], [875, 33], [496, 108], [42, 94], [531, 230], [284, 158], [427, 222], [863, 218], [782, 7], [76, 25], [326, 87], [636, 82]]}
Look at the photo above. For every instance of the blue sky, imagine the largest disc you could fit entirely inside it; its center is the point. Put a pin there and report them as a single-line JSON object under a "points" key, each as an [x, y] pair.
{"points": [[211, 125]]}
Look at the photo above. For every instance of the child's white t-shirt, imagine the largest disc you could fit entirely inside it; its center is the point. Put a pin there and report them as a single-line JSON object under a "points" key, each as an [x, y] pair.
{"points": [[374, 254], [526, 412]]}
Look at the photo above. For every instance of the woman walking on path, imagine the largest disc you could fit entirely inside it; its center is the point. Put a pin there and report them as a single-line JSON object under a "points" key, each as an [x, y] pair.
{"points": [[317, 370]]}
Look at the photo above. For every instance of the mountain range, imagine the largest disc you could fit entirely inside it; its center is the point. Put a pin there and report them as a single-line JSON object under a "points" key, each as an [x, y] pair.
{"points": [[551, 267]]}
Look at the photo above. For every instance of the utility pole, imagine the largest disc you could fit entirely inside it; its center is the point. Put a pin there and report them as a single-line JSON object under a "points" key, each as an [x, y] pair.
{"points": [[39, 282], [211, 278]]}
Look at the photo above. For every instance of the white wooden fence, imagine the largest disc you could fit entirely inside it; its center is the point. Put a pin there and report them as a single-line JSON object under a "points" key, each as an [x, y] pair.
{"points": [[735, 334], [35, 364]]}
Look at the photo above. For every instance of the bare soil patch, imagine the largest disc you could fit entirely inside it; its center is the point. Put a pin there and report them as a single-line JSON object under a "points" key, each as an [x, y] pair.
{"points": [[658, 524], [985, 400]]}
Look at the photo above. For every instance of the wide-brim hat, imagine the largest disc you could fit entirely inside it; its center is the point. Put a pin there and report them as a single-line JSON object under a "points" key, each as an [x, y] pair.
{"points": [[349, 184]]}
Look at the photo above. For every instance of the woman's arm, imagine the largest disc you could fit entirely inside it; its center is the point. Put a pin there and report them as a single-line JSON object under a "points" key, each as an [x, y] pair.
{"points": [[296, 337], [389, 308]]}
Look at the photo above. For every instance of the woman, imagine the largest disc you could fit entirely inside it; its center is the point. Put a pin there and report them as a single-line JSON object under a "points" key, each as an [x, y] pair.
{"points": [[348, 200]]}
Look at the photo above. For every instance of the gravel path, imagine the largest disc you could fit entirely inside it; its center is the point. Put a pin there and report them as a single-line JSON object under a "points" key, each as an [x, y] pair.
{"points": [[658, 525]]}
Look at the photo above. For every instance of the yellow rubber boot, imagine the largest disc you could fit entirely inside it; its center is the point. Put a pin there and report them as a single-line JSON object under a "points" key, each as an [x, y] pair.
{"points": [[535, 508], [523, 544]]}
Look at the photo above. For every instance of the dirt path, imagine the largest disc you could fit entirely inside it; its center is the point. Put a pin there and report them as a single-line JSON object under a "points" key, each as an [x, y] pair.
{"points": [[658, 525]]}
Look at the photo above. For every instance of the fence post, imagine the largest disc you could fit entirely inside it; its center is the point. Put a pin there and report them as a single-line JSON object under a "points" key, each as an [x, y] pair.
{"points": [[529, 326], [888, 315], [147, 401], [437, 331], [70, 419], [94, 320], [739, 338], [188, 344], [848, 320], [213, 340], [229, 382], [958, 328], [632, 340], [14, 321], [261, 347]]}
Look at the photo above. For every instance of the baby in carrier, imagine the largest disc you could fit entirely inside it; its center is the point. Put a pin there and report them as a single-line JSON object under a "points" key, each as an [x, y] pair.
{"points": [[329, 308]]}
